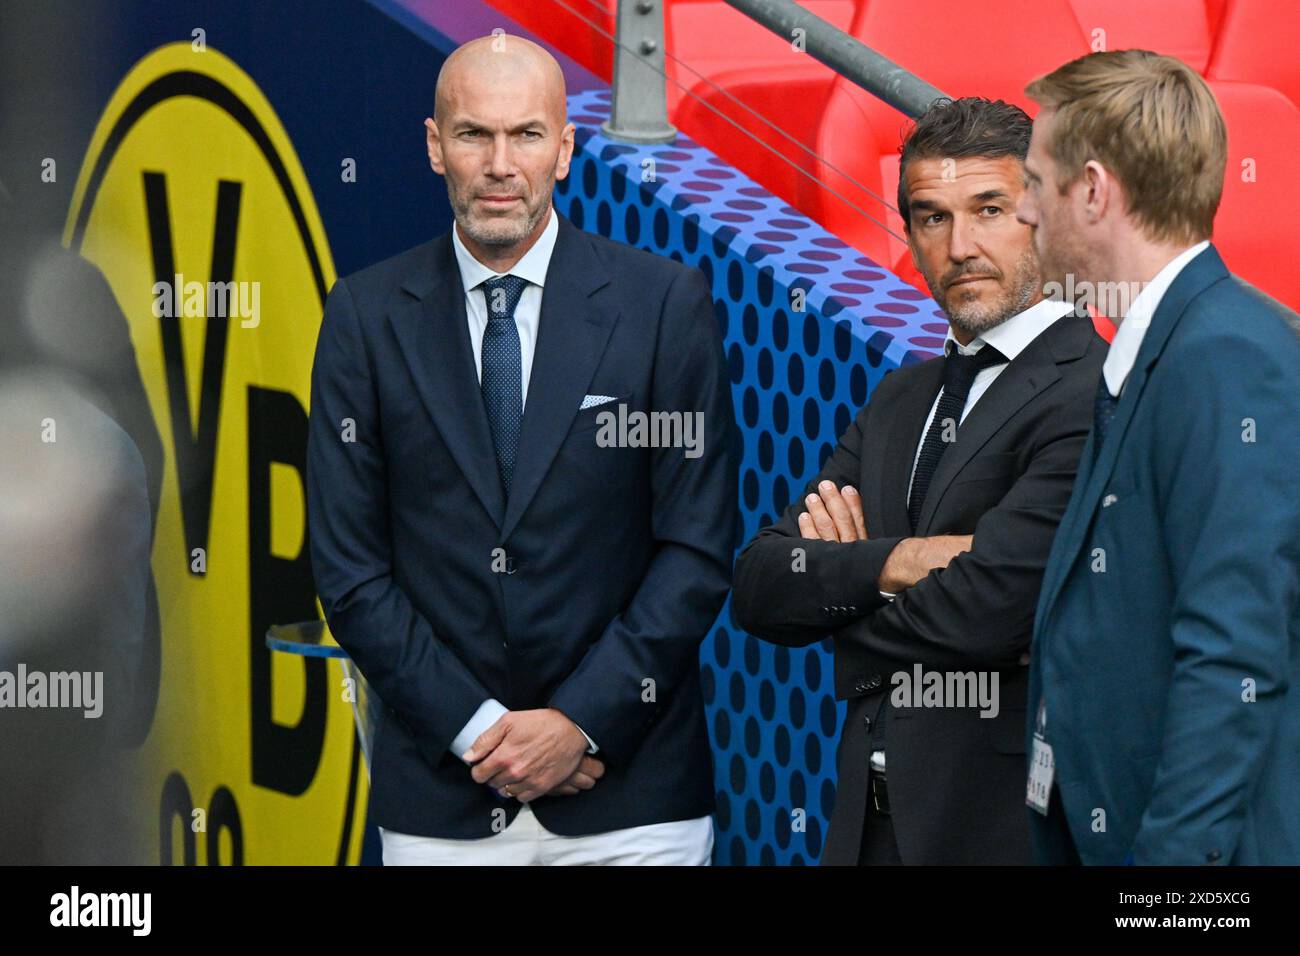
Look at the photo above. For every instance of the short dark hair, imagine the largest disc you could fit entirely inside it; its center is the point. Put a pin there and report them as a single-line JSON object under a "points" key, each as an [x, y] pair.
{"points": [[970, 126]]}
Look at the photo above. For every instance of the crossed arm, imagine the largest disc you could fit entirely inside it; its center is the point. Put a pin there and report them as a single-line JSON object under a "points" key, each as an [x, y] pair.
{"points": [[817, 568], [962, 600], [836, 515]]}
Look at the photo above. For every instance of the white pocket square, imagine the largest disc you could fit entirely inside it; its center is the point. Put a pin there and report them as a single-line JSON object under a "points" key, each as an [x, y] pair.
{"points": [[591, 401]]}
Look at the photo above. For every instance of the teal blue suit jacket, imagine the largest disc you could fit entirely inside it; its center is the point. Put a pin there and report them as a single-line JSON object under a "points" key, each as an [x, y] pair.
{"points": [[1167, 637]]}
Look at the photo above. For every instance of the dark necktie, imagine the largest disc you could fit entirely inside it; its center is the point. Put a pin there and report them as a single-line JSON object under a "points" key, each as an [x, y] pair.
{"points": [[502, 380], [959, 373], [1103, 413]]}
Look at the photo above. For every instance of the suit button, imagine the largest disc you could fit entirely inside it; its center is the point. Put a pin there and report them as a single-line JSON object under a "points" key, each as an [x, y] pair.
{"points": [[1213, 856], [1024, 660], [862, 685], [866, 720], [874, 682]]}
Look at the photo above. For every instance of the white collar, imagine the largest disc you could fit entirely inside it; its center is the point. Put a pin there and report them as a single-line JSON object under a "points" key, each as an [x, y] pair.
{"points": [[532, 266], [1133, 327], [1012, 336]]}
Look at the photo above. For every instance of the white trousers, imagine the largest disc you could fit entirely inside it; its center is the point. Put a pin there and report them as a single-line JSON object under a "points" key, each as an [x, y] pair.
{"points": [[525, 842]]}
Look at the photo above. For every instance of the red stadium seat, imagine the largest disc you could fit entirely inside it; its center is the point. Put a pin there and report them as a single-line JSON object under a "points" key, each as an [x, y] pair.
{"points": [[1254, 230], [988, 49], [1257, 43], [779, 159], [708, 39], [991, 48], [1214, 15], [758, 69], [581, 29], [1177, 28]]}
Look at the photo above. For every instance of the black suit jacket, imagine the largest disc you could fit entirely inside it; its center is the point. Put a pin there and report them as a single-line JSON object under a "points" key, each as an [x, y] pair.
{"points": [[614, 562], [956, 779]]}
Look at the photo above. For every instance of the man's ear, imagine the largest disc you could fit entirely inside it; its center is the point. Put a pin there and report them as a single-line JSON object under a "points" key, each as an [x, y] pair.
{"points": [[1102, 191], [433, 145], [566, 151]]}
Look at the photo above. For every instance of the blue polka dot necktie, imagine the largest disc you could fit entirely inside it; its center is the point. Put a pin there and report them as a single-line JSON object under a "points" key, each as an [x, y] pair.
{"points": [[502, 379]]}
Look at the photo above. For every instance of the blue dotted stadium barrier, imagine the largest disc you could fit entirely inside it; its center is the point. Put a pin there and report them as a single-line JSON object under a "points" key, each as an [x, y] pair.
{"points": [[798, 378]]}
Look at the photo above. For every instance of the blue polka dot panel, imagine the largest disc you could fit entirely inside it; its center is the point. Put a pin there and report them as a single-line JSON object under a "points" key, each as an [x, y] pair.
{"points": [[809, 326]]}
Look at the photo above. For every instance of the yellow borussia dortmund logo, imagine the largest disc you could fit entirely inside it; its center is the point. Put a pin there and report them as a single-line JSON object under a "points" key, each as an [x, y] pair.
{"points": [[192, 202]]}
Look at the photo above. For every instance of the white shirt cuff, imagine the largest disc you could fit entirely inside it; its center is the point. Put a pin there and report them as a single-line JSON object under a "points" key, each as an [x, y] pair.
{"points": [[488, 713], [887, 596]]}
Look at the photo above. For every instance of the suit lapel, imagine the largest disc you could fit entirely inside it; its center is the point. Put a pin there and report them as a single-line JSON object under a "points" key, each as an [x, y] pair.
{"points": [[571, 338], [1198, 274], [572, 334], [904, 437], [1032, 371], [1017, 384], [434, 334]]}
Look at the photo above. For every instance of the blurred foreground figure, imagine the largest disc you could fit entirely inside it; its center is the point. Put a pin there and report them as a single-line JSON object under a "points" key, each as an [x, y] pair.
{"points": [[74, 569], [80, 472]]}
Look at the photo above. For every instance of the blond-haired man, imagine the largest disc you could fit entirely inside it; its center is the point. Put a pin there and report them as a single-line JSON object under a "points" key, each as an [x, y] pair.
{"points": [[1164, 725]]}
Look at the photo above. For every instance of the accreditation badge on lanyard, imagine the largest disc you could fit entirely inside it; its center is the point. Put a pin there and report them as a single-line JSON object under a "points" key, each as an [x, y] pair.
{"points": [[1041, 766]]}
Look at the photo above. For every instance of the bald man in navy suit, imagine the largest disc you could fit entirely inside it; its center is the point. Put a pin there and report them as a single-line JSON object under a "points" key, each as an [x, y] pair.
{"points": [[524, 581]]}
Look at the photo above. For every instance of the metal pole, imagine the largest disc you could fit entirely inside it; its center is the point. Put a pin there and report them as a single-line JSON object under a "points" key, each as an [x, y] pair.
{"points": [[639, 112], [842, 53]]}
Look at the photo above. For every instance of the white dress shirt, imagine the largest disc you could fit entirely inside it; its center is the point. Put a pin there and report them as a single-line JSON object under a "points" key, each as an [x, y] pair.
{"points": [[1010, 338], [1133, 327]]}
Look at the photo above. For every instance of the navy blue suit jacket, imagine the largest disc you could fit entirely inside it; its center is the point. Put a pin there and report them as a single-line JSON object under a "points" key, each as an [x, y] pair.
{"points": [[612, 562], [1167, 637]]}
